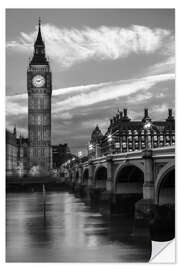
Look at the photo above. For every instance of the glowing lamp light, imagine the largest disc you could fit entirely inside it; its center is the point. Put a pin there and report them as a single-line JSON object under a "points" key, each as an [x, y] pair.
{"points": [[79, 154], [147, 125], [90, 147], [109, 138]]}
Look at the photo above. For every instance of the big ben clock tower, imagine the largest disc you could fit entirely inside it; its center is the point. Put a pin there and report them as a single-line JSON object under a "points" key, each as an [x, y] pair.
{"points": [[39, 89]]}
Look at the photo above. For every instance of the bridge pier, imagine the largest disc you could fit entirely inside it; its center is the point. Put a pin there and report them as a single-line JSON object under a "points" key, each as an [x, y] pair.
{"points": [[105, 203], [94, 195], [77, 189], [145, 208], [109, 182]]}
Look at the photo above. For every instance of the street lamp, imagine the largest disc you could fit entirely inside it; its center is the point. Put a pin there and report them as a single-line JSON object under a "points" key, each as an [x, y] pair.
{"points": [[90, 147], [80, 155], [110, 138], [147, 127], [110, 142]]}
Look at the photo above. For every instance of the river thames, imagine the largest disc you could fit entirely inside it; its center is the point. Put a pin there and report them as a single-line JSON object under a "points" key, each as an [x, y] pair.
{"points": [[70, 231]]}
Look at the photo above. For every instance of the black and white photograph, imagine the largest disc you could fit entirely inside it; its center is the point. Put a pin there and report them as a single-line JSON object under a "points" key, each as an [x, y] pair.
{"points": [[89, 134]]}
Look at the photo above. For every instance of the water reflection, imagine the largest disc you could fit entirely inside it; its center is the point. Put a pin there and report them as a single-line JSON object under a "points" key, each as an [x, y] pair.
{"points": [[70, 232]]}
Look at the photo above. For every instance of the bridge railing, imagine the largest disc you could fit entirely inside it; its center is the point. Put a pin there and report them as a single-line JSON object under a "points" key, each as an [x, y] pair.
{"points": [[112, 149]]}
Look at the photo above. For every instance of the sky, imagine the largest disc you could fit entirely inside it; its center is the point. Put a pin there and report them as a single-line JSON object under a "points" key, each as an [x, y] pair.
{"points": [[101, 61]]}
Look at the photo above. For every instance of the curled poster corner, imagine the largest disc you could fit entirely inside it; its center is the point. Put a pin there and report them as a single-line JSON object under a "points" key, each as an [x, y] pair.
{"points": [[163, 252]]}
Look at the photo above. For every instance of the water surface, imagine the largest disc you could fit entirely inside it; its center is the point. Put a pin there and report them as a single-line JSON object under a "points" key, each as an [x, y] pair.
{"points": [[70, 232]]}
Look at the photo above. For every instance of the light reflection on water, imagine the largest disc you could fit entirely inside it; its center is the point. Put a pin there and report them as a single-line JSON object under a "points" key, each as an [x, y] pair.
{"points": [[70, 232]]}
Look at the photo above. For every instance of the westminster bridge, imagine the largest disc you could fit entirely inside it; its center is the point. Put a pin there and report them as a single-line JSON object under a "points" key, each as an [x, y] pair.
{"points": [[140, 182]]}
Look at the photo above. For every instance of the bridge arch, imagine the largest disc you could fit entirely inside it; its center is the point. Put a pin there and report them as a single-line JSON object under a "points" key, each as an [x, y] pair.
{"points": [[129, 179], [100, 177], [85, 176], [128, 165], [163, 225], [165, 185], [128, 189]]}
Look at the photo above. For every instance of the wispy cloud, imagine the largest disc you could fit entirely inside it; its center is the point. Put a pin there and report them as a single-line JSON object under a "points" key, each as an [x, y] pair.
{"points": [[159, 108], [88, 95], [167, 65], [110, 92], [16, 105], [71, 46], [140, 97]]}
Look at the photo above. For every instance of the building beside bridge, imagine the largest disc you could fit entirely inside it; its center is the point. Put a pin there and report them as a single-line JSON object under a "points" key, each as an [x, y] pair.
{"points": [[60, 154], [11, 152], [125, 135], [22, 156], [16, 154]]}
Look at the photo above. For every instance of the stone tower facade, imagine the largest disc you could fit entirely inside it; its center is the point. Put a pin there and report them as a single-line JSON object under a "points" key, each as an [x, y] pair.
{"points": [[39, 87]]}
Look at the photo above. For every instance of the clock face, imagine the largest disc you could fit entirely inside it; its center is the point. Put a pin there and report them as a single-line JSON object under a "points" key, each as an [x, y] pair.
{"points": [[38, 81]]}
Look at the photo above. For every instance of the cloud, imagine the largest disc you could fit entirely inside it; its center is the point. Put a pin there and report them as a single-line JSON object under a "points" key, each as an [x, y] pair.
{"points": [[63, 116], [163, 108], [140, 97], [16, 105], [110, 92], [91, 95], [167, 65], [71, 46]]}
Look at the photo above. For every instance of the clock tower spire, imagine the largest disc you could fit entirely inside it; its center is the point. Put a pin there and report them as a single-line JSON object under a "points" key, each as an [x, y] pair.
{"points": [[39, 56], [39, 87]]}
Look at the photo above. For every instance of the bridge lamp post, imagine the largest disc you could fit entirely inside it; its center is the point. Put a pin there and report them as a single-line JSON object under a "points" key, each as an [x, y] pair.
{"points": [[72, 161], [110, 142], [147, 128], [90, 148], [80, 155], [68, 163]]}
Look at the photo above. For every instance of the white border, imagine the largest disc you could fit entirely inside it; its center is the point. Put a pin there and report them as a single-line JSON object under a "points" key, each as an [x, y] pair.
{"points": [[73, 4]]}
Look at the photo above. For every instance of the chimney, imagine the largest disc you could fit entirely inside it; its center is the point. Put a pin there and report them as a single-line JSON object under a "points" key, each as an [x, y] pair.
{"points": [[125, 113], [170, 116], [146, 116], [14, 130], [170, 113], [145, 112]]}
